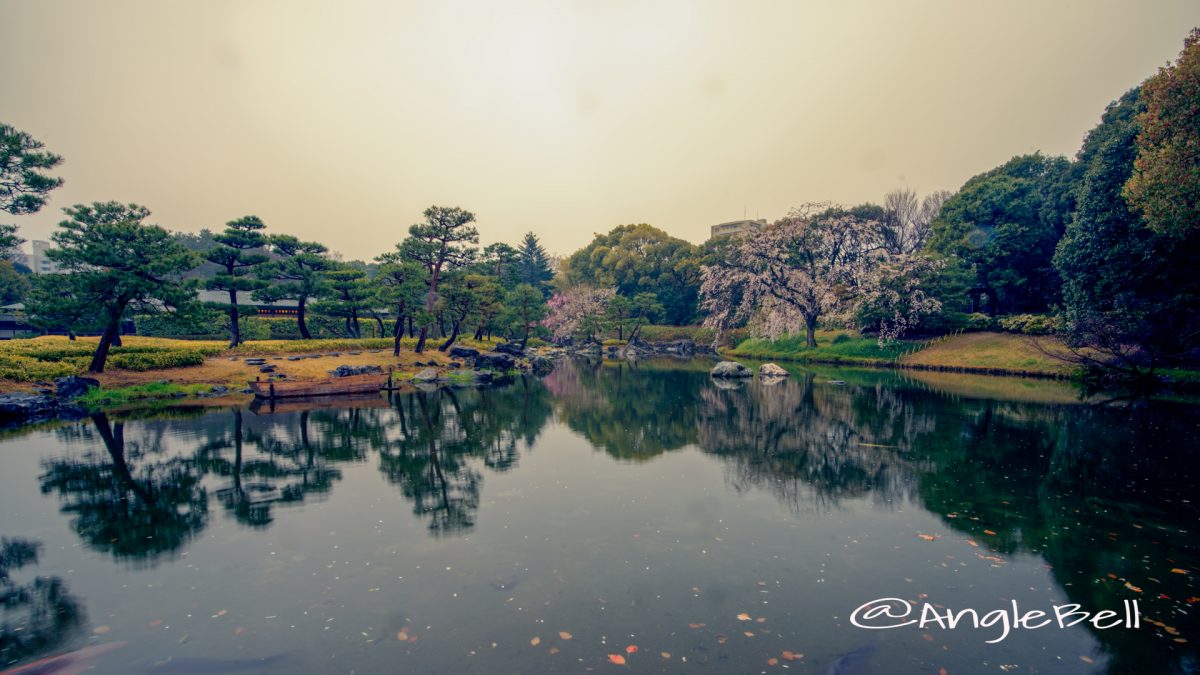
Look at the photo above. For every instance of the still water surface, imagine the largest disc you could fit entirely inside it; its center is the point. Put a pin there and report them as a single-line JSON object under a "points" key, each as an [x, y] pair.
{"points": [[607, 512]]}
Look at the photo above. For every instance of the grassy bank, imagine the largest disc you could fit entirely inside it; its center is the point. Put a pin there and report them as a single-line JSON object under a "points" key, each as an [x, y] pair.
{"points": [[839, 347], [986, 353], [154, 369]]}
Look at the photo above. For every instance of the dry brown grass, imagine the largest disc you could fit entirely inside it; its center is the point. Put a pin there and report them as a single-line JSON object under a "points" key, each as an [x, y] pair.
{"points": [[995, 351]]}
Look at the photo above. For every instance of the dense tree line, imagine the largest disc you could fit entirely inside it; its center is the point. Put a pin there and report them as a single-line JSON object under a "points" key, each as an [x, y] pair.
{"points": [[1105, 242]]}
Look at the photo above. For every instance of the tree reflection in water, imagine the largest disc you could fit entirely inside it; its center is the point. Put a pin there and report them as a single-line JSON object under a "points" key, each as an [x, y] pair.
{"points": [[444, 435], [1103, 495], [35, 617], [135, 499]]}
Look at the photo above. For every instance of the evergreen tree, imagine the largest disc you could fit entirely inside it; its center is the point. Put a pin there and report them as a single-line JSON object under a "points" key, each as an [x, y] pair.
{"points": [[235, 252], [297, 273], [443, 242], [533, 265], [1130, 293], [112, 262], [347, 297]]}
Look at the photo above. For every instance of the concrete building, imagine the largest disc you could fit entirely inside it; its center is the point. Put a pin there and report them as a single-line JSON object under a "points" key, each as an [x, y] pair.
{"points": [[737, 227], [37, 261]]}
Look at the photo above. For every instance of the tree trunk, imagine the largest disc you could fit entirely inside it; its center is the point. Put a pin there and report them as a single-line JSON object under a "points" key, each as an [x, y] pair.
{"points": [[106, 339], [235, 335], [398, 332], [453, 337], [304, 334], [71, 335], [479, 333], [421, 339], [810, 331], [116, 341], [525, 338], [382, 329], [412, 333], [354, 323]]}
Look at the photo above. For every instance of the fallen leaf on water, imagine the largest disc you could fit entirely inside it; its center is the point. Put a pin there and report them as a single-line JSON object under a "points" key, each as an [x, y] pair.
{"points": [[565, 635], [989, 532], [941, 671], [1178, 570], [743, 617], [791, 656], [156, 622], [695, 625], [239, 630], [1086, 659], [1133, 588], [748, 634], [772, 662], [761, 619], [535, 641], [665, 655], [617, 659], [402, 635], [554, 650], [926, 537], [1192, 600], [974, 543], [100, 630], [220, 613], [631, 649]]}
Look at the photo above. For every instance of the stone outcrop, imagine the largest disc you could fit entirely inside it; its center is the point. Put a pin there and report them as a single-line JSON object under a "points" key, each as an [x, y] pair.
{"points": [[23, 408], [771, 370], [731, 369], [73, 387], [463, 353], [540, 365], [346, 371], [510, 348], [495, 361], [427, 375]]}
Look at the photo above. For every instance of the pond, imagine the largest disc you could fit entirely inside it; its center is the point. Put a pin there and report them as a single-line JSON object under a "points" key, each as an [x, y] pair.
{"points": [[610, 513]]}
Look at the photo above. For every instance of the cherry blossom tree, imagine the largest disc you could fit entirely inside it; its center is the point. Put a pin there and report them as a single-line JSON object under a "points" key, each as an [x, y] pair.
{"points": [[817, 262], [577, 310]]}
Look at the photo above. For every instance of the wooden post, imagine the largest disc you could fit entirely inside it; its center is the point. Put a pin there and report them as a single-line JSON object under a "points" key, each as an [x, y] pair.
{"points": [[272, 391]]}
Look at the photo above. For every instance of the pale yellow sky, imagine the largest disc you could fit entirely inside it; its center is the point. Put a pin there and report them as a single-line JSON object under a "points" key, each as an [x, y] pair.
{"points": [[341, 121]]}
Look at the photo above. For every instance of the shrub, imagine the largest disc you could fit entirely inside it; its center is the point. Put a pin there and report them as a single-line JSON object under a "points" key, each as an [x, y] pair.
{"points": [[155, 360], [839, 339], [1031, 324], [978, 322]]}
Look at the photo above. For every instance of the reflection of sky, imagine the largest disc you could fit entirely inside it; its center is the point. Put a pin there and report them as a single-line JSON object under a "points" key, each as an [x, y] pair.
{"points": [[613, 552]]}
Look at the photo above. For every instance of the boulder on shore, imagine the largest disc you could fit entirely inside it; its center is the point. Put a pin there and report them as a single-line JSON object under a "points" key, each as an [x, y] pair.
{"points": [[494, 361], [346, 371], [23, 408], [731, 369], [463, 353], [771, 370], [73, 386], [427, 375], [510, 348]]}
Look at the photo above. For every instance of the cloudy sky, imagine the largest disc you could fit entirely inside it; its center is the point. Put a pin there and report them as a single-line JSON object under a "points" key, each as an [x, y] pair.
{"points": [[341, 121]]}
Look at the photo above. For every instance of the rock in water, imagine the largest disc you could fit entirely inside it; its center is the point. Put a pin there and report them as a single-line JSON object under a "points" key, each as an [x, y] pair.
{"points": [[72, 386], [731, 369], [771, 370], [541, 365]]}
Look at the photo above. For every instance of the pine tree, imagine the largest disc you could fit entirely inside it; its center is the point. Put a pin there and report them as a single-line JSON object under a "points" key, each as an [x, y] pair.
{"points": [[235, 254], [533, 264]]}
